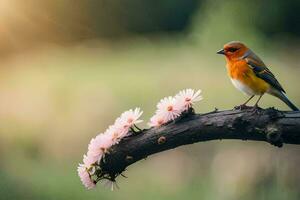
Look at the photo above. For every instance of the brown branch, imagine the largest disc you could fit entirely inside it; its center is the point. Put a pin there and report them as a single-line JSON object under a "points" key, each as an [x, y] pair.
{"points": [[270, 125]]}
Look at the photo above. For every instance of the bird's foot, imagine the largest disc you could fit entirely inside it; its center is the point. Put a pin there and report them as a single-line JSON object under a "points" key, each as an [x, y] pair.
{"points": [[256, 109], [242, 107]]}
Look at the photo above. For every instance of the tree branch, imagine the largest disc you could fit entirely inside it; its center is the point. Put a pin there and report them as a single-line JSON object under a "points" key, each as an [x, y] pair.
{"points": [[270, 125]]}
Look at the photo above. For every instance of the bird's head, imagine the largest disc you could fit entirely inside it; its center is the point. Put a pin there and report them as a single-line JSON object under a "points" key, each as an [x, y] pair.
{"points": [[233, 50]]}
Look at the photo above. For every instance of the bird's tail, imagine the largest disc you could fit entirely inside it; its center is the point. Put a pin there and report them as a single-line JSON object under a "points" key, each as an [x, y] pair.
{"points": [[284, 98]]}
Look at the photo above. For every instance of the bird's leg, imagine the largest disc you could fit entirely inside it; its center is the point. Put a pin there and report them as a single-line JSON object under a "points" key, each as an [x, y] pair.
{"points": [[244, 105], [248, 100], [256, 104], [255, 107]]}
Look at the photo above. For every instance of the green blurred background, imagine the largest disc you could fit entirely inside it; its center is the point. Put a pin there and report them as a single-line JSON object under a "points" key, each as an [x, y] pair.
{"points": [[70, 67]]}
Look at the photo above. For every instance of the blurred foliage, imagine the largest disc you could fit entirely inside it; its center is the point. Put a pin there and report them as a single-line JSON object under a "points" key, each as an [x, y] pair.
{"points": [[74, 20], [278, 17], [54, 100], [76, 65]]}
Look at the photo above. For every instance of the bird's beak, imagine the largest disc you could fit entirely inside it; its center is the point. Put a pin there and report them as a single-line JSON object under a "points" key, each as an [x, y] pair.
{"points": [[221, 51]]}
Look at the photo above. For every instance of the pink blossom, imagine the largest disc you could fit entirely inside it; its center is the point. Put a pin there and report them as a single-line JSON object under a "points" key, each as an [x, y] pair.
{"points": [[85, 177], [129, 118], [100, 144], [97, 148], [116, 132], [157, 120], [169, 108], [90, 159], [188, 97]]}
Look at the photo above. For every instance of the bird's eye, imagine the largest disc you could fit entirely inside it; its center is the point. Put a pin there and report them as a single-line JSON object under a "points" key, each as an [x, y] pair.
{"points": [[232, 49]]}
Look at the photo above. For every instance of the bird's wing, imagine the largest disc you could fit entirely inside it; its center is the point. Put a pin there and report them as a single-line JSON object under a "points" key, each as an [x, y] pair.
{"points": [[261, 70]]}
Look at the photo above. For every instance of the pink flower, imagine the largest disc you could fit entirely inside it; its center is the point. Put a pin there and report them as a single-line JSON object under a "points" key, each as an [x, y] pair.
{"points": [[85, 177], [116, 132], [187, 98], [157, 120], [168, 108], [90, 159], [97, 148], [100, 144], [129, 118]]}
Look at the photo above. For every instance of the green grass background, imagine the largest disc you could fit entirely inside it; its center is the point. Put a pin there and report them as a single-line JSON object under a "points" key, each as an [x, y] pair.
{"points": [[55, 98]]}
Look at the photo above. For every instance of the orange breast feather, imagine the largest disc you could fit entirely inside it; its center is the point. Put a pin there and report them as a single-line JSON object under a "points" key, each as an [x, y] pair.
{"points": [[239, 70]]}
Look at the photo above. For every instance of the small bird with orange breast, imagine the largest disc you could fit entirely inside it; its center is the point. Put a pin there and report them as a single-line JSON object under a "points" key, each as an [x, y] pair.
{"points": [[250, 75]]}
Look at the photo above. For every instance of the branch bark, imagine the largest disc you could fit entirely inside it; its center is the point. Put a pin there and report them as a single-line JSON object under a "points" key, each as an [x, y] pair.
{"points": [[269, 125]]}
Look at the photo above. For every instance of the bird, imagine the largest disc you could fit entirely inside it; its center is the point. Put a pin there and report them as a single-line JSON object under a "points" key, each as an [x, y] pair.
{"points": [[249, 74]]}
